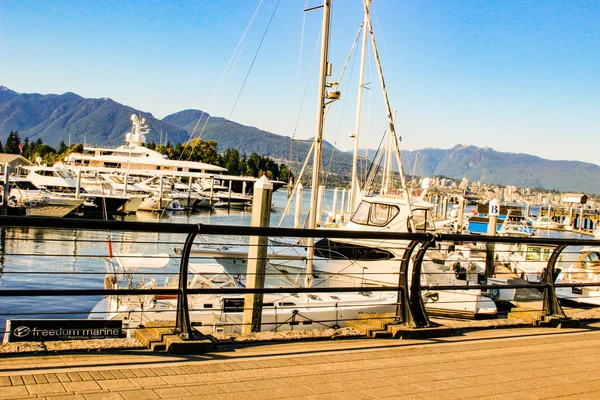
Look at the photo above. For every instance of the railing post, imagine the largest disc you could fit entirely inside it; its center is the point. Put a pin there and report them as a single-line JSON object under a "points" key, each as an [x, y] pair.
{"points": [[403, 311], [551, 304], [417, 308], [257, 256], [183, 324]]}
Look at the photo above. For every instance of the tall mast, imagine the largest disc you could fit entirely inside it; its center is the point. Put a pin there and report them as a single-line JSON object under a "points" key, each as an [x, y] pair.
{"points": [[312, 218], [392, 129], [354, 183]]}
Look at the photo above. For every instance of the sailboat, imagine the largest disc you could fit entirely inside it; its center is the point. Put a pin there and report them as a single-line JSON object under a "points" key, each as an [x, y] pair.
{"points": [[224, 313], [363, 263]]}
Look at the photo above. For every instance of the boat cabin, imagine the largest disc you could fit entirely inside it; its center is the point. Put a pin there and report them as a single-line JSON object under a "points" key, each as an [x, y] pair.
{"points": [[375, 213]]}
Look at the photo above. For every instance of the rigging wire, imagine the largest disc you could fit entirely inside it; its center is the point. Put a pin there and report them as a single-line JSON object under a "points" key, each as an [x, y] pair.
{"points": [[233, 59], [254, 59], [352, 54]]}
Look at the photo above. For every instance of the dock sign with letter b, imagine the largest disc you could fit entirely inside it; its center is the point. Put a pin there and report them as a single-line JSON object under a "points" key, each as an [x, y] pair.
{"points": [[494, 208]]}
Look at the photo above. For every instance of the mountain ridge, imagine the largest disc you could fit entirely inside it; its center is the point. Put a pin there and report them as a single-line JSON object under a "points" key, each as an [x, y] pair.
{"points": [[70, 117]]}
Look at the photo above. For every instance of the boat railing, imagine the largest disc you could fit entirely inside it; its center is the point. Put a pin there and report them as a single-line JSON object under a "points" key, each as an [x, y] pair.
{"points": [[69, 254]]}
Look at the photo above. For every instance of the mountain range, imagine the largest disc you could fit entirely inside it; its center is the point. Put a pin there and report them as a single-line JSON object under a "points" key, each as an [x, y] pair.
{"points": [[71, 118]]}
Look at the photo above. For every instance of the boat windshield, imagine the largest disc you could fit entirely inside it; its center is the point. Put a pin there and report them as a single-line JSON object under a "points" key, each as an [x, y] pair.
{"points": [[422, 223], [590, 260], [116, 179], [538, 254], [23, 185], [374, 214], [65, 174]]}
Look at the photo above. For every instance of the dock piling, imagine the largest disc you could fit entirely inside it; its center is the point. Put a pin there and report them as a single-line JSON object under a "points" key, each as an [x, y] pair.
{"points": [[257, 255]]}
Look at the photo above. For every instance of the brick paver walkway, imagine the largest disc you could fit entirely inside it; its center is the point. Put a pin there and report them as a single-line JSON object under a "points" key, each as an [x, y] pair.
{"points": [[528, 363]]}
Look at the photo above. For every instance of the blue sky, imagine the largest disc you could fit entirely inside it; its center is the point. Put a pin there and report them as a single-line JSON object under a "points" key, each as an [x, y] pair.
{"points": [[517, 76]]}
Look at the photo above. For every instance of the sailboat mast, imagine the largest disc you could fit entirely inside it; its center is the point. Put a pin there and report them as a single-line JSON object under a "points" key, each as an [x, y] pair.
{"points": [[361, 77], [392, 129], [318, 139]]}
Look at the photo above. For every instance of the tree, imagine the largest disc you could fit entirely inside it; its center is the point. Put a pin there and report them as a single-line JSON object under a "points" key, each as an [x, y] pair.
{"points": [[62, 147], [1, 148], [26, 148], [12, 143], [231, 161]]}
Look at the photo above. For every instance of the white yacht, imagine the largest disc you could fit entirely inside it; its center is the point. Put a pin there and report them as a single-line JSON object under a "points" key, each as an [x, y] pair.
{"points": [[585, 270], [224, 313], [370, 262], [529, 261], [135, 159], [58, 180], [110, 183], [545, 222], [40, 202]]}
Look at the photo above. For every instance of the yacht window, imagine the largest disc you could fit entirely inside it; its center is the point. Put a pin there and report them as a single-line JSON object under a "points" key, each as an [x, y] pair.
{"points": [[422, 223], [374, 214], [533, 254], [381, 214], [64, 174], [361, 215], [23, 185]]}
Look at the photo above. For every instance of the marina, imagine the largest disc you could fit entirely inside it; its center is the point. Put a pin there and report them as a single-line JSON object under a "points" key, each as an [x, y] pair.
{"points": [[34, 258], [370, 200]]}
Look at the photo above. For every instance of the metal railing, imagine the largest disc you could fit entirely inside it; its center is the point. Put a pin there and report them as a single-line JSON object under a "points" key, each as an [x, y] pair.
{"points": [[410, 307]]}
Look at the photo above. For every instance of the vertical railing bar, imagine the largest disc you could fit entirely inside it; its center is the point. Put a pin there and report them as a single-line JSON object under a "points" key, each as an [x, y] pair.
{"points": [[551, 304], [403, 311], [183, 324], [417, 308]]}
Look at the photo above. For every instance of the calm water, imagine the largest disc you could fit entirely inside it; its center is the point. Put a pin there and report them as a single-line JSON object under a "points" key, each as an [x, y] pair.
{"points": [[62, 259]]}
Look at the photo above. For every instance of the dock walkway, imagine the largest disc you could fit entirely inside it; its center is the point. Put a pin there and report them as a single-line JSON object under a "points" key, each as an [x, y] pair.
{"points": [[504, 363]]}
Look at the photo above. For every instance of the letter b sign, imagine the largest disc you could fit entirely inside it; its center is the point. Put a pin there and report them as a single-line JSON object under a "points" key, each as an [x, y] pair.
{"points": [[494, 208]]}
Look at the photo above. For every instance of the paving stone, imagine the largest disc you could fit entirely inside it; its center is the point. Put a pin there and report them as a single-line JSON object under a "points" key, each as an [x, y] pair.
{"points": [[117, 384], [29, 380], [96, 375], [5, 381], [16, 380], [205, 389], [40, 378], [117, 374], [14, 392], [52, 378], [79, 387], [172, 392], [62, 377], [179, 380], [238, 396], [139, 395], [46, 388], [103, 396], [85, 376], [202, 397], [128, 373], [148, 382], [138, 373], [66, 397]]}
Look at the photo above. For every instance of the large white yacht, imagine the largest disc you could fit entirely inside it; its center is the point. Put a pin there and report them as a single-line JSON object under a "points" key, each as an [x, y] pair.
{"points": [[135, 159]]}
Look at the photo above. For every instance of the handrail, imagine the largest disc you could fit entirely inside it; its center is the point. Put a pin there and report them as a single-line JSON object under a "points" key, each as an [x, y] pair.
{"points": [[410, 309]]}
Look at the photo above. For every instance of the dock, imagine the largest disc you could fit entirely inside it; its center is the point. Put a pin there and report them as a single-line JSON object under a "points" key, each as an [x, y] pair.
{"points": [[496, 363]]}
